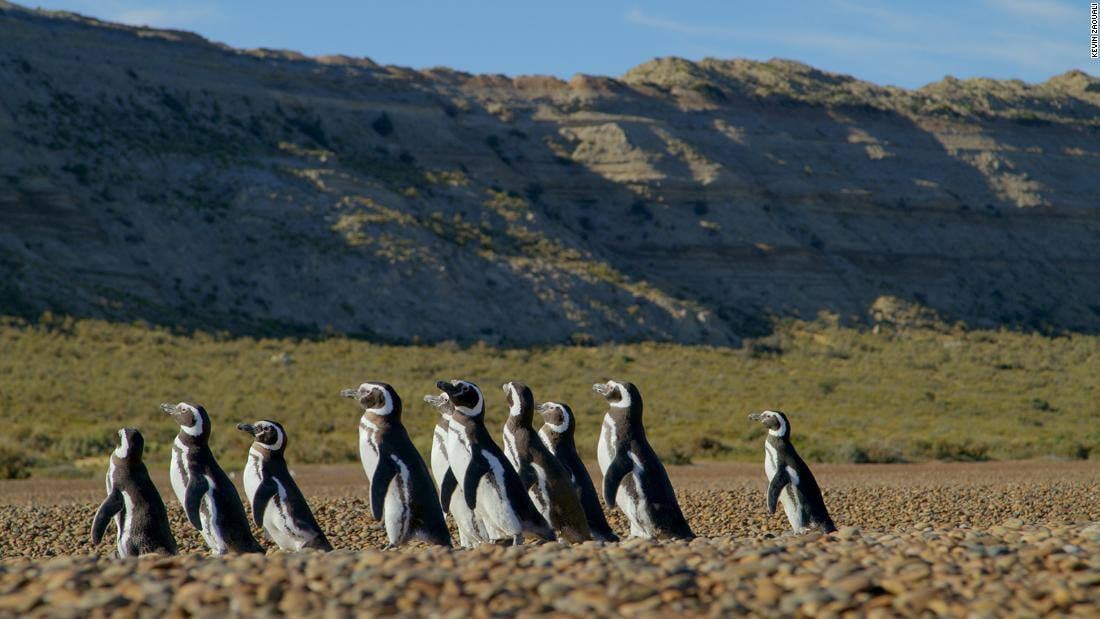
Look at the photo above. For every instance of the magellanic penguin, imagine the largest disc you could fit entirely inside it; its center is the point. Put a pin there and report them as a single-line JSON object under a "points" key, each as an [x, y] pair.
{"points": [[557, 433], [489, 485], [134, 503], [278, 506], [401, 491], [633, 477], [548, 482], [789, 479], [209, 499], [471, 530]]}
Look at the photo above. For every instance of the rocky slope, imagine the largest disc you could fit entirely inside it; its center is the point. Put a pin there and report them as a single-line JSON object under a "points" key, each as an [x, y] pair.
{"points": [[150, 174]]}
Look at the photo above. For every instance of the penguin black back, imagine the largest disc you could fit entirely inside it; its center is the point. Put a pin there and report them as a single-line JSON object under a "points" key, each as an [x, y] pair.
{"points": [[790, 481], [557, 433], [402, 493], [133, 502], [209, 498], [549, 483], [475, 458], [633, 474], [269, 486]]}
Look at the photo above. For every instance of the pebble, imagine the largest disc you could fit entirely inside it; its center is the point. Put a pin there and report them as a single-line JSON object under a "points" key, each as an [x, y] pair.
{"points": [[1025, 550]]}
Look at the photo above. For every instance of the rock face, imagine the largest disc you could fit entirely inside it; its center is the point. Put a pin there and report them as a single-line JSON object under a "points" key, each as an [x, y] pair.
{"points": [[150, 174]]}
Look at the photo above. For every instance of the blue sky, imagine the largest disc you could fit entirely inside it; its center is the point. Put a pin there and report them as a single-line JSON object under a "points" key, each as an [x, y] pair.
{"points": [[904, 44]]}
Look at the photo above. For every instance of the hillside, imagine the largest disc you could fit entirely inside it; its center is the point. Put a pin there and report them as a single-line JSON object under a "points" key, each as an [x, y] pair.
{"points": [[154, 175]]}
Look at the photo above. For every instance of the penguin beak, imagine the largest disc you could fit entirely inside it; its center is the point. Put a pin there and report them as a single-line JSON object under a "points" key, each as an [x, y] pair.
{"points": [[544, 408], [756, 416], [349, 393], [247, 427], [168, 408], [602, 388]]}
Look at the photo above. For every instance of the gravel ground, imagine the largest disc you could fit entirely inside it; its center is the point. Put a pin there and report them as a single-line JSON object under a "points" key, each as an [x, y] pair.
{"points": [[987, 539]]}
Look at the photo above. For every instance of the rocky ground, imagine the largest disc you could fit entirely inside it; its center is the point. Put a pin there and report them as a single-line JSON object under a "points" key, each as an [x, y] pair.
{"points": [[966, 539]]}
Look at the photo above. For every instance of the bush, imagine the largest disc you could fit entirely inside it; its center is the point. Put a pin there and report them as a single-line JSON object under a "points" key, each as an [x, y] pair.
{"points": [[873, 454], [14, 462]]}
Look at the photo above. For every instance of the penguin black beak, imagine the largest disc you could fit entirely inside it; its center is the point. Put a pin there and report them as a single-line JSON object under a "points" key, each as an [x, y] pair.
{"points": [[247, 427], [544, 408], [756, 416], [602, 388], [349, 393], [168, 408]]}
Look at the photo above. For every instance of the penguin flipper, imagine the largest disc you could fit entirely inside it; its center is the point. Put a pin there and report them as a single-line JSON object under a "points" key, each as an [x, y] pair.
{"points": [[778, 482], [110, 506], [264, 493], [474, 472], [447, 489], [192, 499], [619, 468], [380, 484], [528, 476]]}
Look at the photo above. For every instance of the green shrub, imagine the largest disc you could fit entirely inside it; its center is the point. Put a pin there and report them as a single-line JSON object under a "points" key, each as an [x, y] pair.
{"points": [[14, 462]]}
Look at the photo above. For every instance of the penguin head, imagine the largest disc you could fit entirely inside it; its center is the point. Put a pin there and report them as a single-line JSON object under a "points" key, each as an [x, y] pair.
{"points": [[620, 394], [131, 444], [464, 396], [558, 417], [191, 418], [521, 402], [267, 434], [775, 421], [379, 399]]}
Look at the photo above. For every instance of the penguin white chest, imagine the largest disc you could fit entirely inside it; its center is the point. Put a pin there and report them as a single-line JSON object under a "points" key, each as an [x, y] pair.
{"points": [[439, 456], [510, 450], [177, 471], [544, 436], [458, 451], [369, 451]]}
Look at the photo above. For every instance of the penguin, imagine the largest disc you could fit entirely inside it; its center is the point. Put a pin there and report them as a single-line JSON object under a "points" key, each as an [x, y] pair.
{"points": [[401, 491], [278, 506], [489, 485], [548, 482], [134, 503], [789, 479], [633, 477], [209, 499], [557, 433], [471, 529]]}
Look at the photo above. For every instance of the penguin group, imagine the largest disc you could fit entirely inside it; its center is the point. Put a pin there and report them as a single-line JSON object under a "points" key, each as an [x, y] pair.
{"points": [[534, 487]]}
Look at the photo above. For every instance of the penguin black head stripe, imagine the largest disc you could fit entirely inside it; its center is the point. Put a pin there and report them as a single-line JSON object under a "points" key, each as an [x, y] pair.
{"points": [[131, 445], [376, 398], [621, 395], [267, 434], [191, 418], [521, 402], [775, 421], [558, 417], [464, 395]]}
